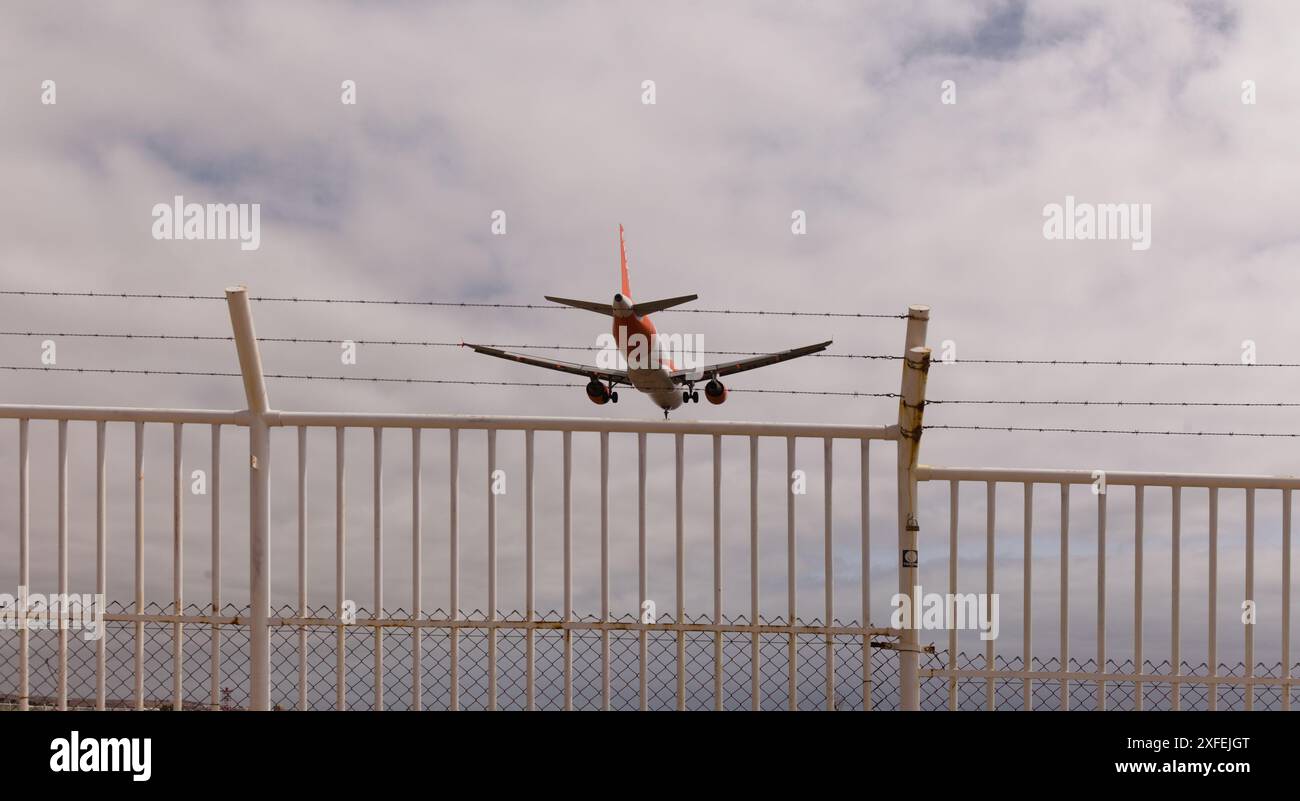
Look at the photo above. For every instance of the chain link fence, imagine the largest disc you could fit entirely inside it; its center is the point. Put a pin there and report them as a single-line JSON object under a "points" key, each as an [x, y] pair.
{"points": [[359, 643], [1120, 695], [624, 646]]}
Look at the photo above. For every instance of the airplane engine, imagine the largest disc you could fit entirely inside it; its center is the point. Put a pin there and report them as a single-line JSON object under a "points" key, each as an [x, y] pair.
{"points": [[597, 393], [715, 391]]}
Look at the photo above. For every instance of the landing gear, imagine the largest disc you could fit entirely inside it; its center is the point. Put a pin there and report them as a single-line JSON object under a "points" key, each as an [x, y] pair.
{"points": [[665, 412], [613, 396], [690, 395]]}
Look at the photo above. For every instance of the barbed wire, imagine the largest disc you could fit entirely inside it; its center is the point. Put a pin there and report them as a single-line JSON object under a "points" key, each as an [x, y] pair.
{"points": [[395, 380], [840, 393], [430, 303], [304, 377], [1130, 432], [1003, 402], [557, 307], [1111, 363], [449, 344], [396, 342], [120, 295]]}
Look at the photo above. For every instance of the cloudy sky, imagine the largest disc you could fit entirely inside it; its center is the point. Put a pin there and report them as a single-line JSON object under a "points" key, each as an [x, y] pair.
{"points": [[760, 109]]}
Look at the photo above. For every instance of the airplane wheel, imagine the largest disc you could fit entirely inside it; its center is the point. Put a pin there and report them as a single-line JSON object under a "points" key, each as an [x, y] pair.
{"points": [[613, 396], [686, 397], [695, 396]]}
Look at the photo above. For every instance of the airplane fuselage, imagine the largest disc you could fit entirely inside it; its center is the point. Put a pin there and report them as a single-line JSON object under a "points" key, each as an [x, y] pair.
{"points": [[655, 382]]}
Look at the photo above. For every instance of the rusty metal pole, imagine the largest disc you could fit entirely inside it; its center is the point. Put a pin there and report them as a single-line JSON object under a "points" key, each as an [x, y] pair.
{"points": [[259, 473], [911, 404]]}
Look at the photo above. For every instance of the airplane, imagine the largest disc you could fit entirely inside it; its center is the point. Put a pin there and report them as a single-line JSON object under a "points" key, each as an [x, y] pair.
{"points": [[650, 371]]}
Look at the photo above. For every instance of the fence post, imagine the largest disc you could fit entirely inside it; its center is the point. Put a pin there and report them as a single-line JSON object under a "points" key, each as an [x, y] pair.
{"points": [[259, 472], [911, 403]]}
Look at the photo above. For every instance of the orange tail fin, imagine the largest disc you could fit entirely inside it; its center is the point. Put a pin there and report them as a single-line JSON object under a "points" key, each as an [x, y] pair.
{"points": [[622, 254]]}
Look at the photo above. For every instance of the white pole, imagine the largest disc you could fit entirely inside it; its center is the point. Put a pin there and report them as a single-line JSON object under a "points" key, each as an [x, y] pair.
{"points": [[178, 570], [24, 571], [101, 557], [259, 472], [302, 566], [378, 565], [916, 363], [604, 572], [417, 574], [63, 561], [214, 669]]}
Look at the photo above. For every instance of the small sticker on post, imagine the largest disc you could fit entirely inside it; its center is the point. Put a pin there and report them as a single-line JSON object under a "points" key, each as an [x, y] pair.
{"points": [[910, 559]]}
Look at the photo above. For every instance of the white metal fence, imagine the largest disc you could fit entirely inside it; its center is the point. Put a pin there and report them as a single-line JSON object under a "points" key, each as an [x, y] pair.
{"points": [[1102, 483], [638, 643], [452, 623]]}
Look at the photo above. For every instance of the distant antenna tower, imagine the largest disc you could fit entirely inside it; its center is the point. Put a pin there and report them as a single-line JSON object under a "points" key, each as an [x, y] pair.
{"points": [[226, 704]]}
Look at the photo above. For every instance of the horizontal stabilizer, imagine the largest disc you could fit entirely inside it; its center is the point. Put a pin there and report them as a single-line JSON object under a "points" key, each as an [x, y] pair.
{"points": [[589, 305], [651, 306]]}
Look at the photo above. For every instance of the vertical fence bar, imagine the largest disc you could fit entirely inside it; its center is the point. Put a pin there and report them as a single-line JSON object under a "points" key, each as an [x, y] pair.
{"points": [[492, 570], [755, 702], [530, 655], [453, 539], [866, 572], [340, 569], [378, 495], [1175, 603], [642, 588], [1101, 595], [1138, 516], [259, 476], [1213, 644], [990, 509], [1286, 598], [101, 560], [568, 569], [952, 590], [178, 570], [417, 576], [24, 568], [680, 613], [829, 567], [302, 566], [604, 570], [139, 565], [214, 696], [717, 571], [1250, 596], [63, 564], [791, 573], [1027, 687], [1065, 594]]}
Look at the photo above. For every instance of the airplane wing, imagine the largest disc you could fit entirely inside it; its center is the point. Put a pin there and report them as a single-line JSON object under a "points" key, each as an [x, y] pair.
{"points": [[749, 363], [616, 376]]}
